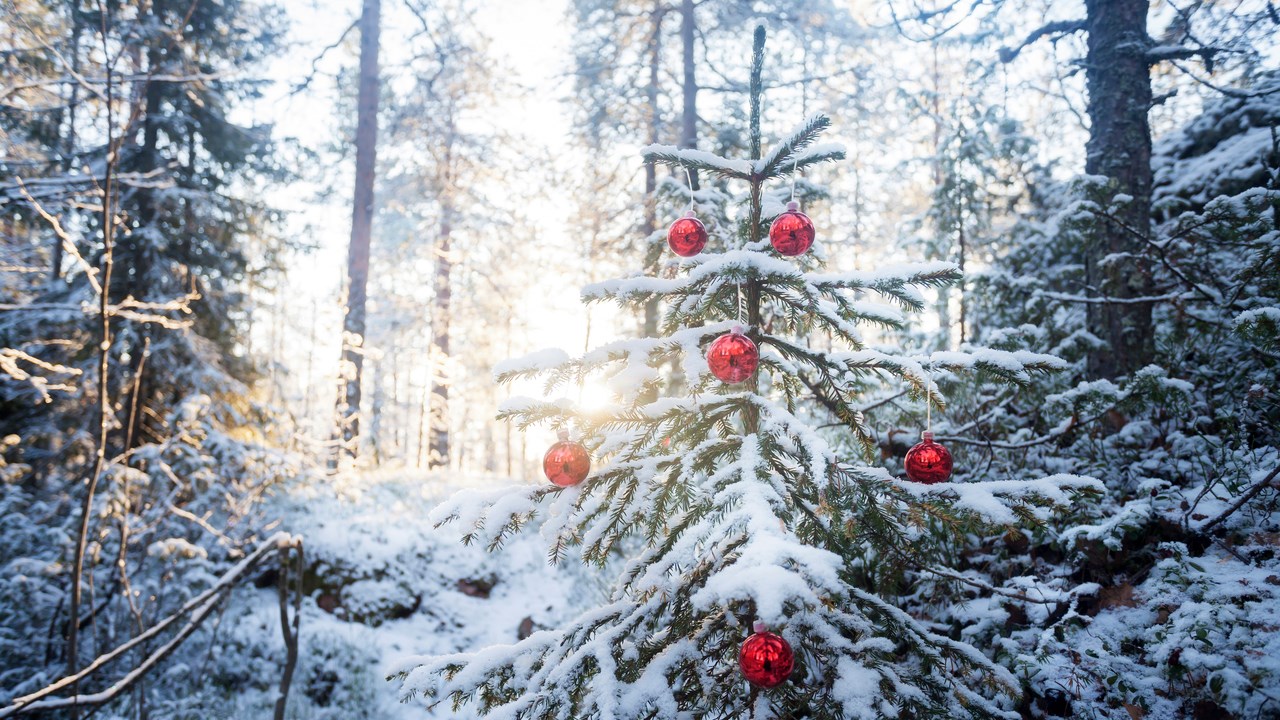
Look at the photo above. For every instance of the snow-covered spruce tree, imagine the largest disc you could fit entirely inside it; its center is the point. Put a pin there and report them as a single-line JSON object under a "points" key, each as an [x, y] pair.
{"points": [[1189, 446], [733, 509]]}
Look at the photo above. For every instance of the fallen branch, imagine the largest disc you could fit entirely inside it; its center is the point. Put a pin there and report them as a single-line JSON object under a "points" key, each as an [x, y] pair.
{"points": [[200, 607], [1245, 497]]}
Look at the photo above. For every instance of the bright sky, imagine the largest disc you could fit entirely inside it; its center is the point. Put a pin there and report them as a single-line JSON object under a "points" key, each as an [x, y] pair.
{"points": [[530, 37]]}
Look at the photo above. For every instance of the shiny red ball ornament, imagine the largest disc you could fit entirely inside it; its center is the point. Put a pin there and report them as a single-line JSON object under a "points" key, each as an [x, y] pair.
{"points": [[928, 462], [792, 231], [766, 659], [567, 462], [732, 357], [687, 236]]}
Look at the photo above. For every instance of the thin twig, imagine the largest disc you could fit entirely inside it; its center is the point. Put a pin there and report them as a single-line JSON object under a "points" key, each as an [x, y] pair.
{"points": [[290, 635], [1245, 497], [104, 363], [229, 578]]}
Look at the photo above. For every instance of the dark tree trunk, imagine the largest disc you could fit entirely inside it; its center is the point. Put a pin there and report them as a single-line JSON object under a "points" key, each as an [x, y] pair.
{"points": [[689, 86], [439, 418], [361, 228], [138, 253], [375, 411], [650, 169], [1119, 84]]}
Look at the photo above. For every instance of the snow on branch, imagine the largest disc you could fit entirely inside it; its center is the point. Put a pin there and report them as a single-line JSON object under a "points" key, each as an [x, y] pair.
{"points": [[732, 265], [959, 652], [1161, 53], [627, 365], [532, 364], [700, 160], [894, 281], [820, 153], [491, 516], [1059, 28], [9, 366], [802, 137], [990, 499], [732, 554], [199, 608], [1014, 365]]}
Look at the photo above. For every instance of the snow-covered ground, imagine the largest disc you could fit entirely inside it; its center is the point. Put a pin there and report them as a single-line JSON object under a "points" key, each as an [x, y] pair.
{"points": [[391, 586]]}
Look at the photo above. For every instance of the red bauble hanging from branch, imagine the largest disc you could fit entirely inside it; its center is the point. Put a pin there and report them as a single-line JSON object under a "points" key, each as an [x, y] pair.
{"points": [[732, 357], [928, 462], [567, 462], [792, 232], [766, 659], [687, 236]]}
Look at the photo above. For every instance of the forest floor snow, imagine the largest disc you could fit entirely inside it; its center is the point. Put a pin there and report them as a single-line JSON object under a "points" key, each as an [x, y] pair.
{"points": [[386, 585]]}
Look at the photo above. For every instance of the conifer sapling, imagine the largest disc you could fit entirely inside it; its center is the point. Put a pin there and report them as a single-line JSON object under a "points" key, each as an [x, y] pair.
{"points": [[717, 505]]}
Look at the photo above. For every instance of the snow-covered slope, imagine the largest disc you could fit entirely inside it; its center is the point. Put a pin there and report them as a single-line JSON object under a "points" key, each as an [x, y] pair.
{"points": [[384, 584]]}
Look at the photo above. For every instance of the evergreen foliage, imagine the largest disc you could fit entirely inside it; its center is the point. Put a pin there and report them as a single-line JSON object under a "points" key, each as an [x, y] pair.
{"points": [[140, 93], [1186, 446], [729, 507]]}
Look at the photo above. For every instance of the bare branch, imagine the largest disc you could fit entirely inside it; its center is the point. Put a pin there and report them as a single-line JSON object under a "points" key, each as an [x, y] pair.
{"points": [[315, 62], [1059, 28], [1245, 497], [1178, 52], [204, 602]]}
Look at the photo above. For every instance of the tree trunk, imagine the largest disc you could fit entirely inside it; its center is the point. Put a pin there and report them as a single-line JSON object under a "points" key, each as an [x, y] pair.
{"points": [[361, 230], [689, 86], [439, 419], [1119, 147], [140, 251], [941, 230], [375, 411], [423, 400], [963, 249], [651, 169]]}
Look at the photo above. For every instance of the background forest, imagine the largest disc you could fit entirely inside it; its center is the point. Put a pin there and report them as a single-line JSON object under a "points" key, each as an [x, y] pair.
{"points": [[260, 262]]}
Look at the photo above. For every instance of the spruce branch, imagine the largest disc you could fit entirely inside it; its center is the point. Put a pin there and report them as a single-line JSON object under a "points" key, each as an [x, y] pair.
{"points": [[699, 160], [772, 164]]}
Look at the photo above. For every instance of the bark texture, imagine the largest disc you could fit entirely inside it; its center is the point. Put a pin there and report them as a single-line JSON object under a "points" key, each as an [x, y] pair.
{"points": [[353, 325], [438, 453], [650, 170], [1119, 147], [689, 85]]}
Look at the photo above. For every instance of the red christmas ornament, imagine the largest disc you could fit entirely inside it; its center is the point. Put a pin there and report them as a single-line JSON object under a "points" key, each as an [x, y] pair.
{"points": [[792, 231], [766, 659], [733, 357], [567, 462], [928, 462], [687, 236]]}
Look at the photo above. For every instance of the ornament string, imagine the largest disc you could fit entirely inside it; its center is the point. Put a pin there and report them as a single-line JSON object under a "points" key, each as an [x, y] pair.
{"points": [[739, 304], [928, 408], [794, 165], [689, 177]]}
